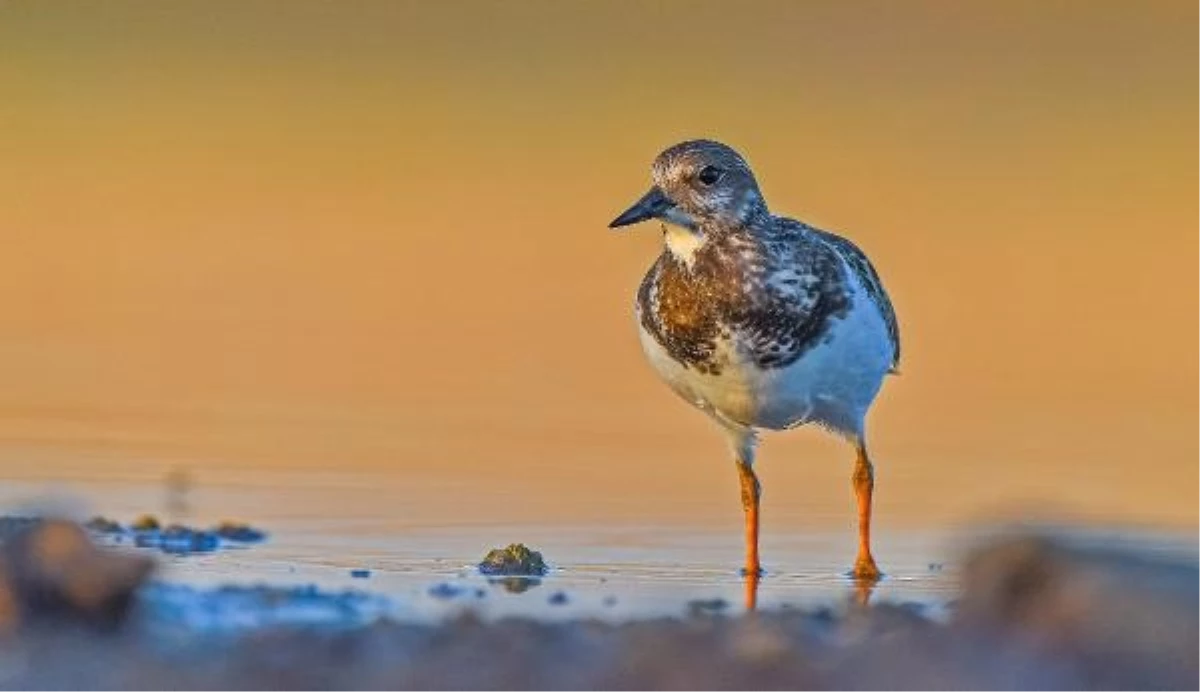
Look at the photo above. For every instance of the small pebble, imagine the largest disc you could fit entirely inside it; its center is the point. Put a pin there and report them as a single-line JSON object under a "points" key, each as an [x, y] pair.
{"points": [[240, 533], [360, 573], [146, 522], [823, 614], [444, 591], [558, 598], [702, 606], [103, 525]]}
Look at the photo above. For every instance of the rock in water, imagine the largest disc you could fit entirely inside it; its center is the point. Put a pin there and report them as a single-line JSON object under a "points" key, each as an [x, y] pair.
{"points": [[239, 532], [104, 525], [146, 522], [515, 560]]}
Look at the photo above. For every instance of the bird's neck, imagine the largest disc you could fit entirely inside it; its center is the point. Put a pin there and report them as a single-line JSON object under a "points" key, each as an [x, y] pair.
{"points": [[683, 243]]}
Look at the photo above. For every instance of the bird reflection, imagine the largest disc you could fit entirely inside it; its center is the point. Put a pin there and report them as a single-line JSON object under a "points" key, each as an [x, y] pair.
{"points": [[863, 589], [752, 580]]}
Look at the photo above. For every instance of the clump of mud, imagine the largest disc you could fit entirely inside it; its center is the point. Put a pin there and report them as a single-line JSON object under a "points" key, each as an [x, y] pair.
{"points": [[104, 525], [516, 560], [146, 522], [515, 568], [240, 532], [175, 539]]}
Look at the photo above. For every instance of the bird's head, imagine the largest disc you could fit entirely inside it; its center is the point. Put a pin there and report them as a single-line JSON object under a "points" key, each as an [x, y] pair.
{"points": [[698, 184]]}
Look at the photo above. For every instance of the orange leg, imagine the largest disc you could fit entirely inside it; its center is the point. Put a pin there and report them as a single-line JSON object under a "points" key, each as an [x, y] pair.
{"points": [[751, 598], [864, 486], [751, 492]]}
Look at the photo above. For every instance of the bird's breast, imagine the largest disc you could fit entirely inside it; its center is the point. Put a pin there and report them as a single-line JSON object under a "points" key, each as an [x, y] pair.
{"points": [[696, 344], [722, 387]]}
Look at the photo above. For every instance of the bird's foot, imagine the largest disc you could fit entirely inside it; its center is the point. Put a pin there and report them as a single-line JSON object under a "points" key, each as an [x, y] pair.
{"points": [[865, 569]]}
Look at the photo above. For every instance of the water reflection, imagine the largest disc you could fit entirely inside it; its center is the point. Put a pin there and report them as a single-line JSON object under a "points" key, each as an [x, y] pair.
{"points": [[515, 584], [752, 580], [864, 588]]}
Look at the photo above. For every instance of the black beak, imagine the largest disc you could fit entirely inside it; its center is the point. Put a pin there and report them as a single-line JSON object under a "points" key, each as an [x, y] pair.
{"points": [[650, 206]]}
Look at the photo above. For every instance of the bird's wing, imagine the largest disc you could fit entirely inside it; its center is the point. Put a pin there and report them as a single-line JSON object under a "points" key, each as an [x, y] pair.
{"points": [[862, 267], [798, 292]]}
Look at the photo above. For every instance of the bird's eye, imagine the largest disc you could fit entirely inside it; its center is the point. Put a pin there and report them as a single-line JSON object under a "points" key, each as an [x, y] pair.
{"points": [[709, 175]]}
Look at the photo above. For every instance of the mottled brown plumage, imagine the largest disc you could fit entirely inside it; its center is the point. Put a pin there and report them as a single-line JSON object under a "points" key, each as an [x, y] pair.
{"points": [[776, 287]]}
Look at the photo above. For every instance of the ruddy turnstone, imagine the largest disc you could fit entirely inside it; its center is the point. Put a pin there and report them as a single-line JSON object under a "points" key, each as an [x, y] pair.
{"points": [[761, 321]]}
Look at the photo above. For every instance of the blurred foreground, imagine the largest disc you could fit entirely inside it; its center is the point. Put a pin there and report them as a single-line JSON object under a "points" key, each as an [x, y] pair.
{"points": [[1034, 612]]}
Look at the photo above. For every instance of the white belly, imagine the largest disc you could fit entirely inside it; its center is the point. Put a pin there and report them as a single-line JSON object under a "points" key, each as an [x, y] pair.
{"points": [[832, 383]]}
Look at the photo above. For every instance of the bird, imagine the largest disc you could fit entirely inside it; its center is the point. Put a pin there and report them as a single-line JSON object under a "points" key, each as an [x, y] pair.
{"points": [[762, 322]]}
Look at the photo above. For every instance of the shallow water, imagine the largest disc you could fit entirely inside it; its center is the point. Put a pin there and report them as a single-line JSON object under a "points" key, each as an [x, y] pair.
{"points": [[603, 572], [615, 570], [423, 570]]}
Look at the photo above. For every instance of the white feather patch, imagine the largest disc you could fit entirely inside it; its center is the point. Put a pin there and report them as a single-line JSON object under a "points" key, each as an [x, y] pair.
{"points": [[683, 242]]}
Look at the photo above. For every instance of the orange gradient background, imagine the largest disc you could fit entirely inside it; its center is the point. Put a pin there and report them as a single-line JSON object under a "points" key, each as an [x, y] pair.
{"points": [[366, 240]]}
